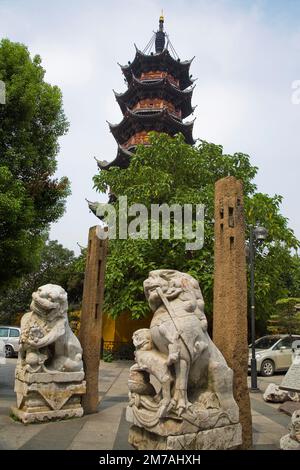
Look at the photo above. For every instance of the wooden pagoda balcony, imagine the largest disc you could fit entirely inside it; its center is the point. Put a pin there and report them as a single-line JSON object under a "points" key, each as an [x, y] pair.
{"points": [[156, 104], [157, 75]]}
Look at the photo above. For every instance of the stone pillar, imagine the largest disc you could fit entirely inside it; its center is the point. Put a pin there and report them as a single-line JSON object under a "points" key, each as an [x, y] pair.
{"points": [[230, 292], [91, 317]]}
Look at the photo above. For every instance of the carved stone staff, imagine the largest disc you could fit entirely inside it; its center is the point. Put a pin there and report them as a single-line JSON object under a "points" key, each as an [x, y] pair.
{"points": [[172, 316]]}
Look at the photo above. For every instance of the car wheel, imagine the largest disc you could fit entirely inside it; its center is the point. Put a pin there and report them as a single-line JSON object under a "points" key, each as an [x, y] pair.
{"points": [[9, 352], [267, 368]]}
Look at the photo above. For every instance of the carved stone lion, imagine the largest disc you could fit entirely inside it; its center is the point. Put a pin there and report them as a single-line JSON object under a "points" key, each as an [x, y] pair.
{"points": [[192, 380], [49, 377], [179, 330], [47, 343]]}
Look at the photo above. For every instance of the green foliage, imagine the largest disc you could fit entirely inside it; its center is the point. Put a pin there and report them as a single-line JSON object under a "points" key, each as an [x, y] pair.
{"points": [[31, 122], [74, 320], [170, 171], [108, 356], [58, 265], [286, 320]]}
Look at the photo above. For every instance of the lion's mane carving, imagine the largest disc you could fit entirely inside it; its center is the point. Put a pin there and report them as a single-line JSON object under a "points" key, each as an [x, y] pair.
{"points": [[47, 343]]}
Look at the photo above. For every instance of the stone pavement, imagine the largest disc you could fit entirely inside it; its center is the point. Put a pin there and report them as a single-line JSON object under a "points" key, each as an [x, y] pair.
{"points": [[268, 423], [104, 430], [108, 429]]}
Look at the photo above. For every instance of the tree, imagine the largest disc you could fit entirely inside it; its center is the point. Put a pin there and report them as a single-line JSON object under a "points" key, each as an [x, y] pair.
{"points": [[170, 171], [31, 121], [58, 265], [287, 318]]}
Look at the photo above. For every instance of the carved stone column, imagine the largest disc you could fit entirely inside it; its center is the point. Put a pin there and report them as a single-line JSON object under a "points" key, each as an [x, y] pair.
{"points": [[91, 317], [230, 292]]}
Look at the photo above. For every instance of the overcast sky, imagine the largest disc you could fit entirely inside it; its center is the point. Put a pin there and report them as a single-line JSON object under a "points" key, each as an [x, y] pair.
{"points": [[247, 57]]}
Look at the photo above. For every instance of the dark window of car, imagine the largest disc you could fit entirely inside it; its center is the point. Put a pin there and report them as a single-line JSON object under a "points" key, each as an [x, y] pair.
{"points": [[14, 333], [3, 332], [296, 343], [266, 342], [286, 342]]}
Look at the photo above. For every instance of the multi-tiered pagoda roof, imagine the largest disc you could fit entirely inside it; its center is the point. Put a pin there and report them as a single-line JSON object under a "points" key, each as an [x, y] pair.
{"points": [[158, 98], [159, 61]]}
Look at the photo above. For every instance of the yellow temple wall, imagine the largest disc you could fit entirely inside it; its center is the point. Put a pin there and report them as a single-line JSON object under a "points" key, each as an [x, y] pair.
{"points": [[122, 328]]}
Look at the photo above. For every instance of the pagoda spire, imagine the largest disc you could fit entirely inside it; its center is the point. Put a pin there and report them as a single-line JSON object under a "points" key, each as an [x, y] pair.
{"points": [[160, 35], [158, 98]]}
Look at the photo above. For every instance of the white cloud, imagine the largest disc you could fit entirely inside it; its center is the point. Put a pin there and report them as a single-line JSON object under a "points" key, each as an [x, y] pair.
{"points": [[247, 56]]}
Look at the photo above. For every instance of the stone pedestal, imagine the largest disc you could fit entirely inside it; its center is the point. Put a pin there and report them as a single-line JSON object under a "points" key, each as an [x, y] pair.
{"points": [[288, 443], [291, 441], [291, 382], [222, 438], [203, 429], [47, 396]]}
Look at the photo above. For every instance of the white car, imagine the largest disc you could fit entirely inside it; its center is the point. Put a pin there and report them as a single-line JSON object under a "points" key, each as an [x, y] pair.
{"points": [[2, 352], [10, 335], [273, 353]]}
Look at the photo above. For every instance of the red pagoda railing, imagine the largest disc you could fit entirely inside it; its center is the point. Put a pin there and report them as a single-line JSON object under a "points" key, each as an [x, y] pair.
{"points": [[156, 104], [158, 74]]}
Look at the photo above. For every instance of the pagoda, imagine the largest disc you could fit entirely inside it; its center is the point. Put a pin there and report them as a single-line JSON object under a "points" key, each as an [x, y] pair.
{"points": [[158, 98]]}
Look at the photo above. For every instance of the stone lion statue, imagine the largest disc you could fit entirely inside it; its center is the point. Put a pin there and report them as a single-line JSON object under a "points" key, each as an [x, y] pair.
{"points": [[47, 343], [193, 381]]}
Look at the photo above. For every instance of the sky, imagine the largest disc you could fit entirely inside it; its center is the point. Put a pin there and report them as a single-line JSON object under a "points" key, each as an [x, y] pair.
{"points": [[247, 57]]}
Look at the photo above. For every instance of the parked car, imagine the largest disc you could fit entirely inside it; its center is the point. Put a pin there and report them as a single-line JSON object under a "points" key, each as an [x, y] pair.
{"points": [[2, 352], [273, 353], [10, 336]]}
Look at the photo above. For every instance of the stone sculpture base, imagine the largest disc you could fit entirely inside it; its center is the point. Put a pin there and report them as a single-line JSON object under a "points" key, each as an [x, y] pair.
{"points": [[291, 441], [288, 443], [222, 438], [48, 396]]}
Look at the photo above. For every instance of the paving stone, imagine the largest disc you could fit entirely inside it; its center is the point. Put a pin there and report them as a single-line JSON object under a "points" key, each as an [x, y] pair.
{"points": [[55, 436]]}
